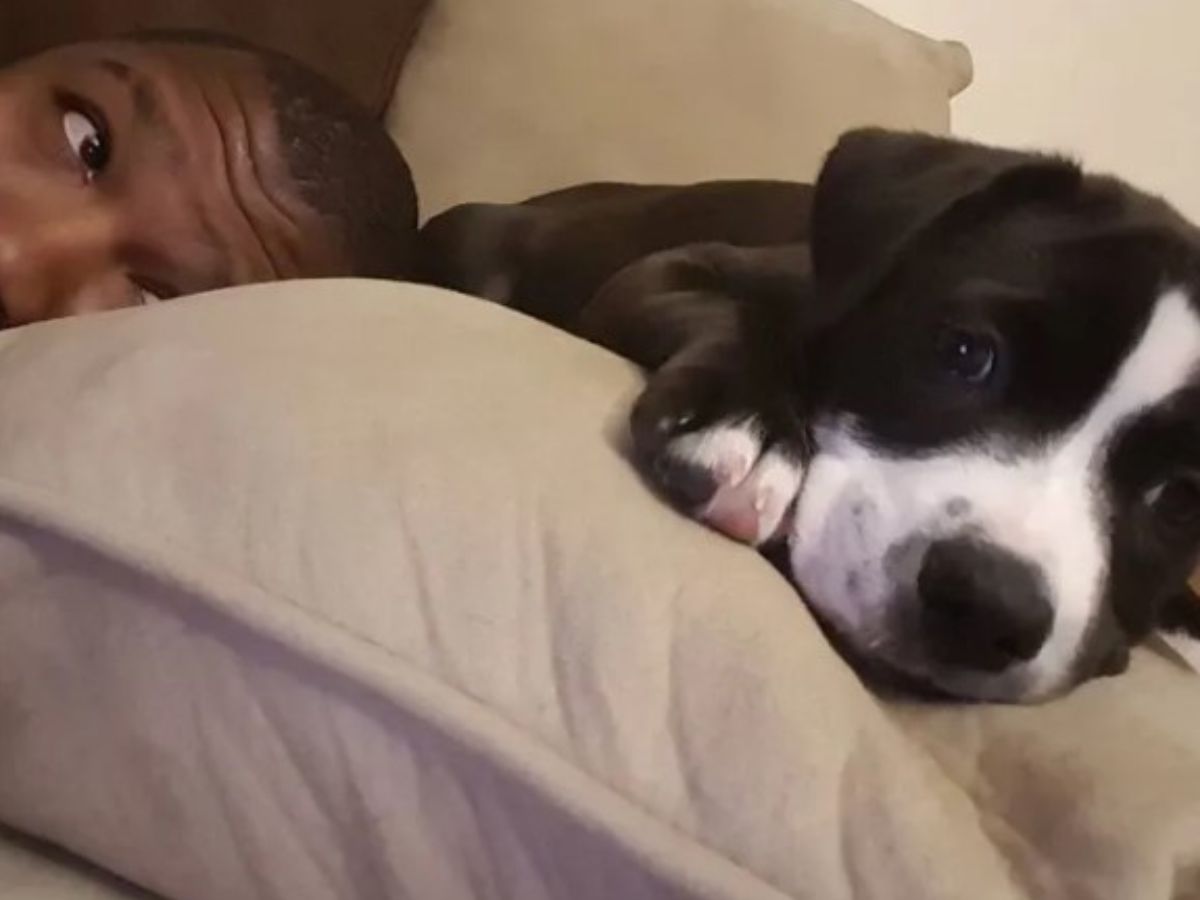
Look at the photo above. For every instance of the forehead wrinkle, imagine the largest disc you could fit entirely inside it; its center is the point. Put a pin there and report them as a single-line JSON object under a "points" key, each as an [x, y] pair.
{"points": [[279, 211], [229, 168]]}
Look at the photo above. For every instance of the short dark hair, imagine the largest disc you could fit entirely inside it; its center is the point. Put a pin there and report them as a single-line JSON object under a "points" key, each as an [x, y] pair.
{"points": [[342, 160]]}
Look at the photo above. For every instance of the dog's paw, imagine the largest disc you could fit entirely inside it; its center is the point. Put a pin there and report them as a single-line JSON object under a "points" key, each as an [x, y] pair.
{"points": [[729, 475], [720, 446]]}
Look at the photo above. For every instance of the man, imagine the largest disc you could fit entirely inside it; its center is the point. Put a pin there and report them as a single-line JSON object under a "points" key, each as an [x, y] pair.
{"points": [[147, 168]]}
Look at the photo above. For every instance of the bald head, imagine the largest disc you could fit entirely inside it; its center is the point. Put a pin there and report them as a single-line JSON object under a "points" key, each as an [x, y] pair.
{"points": [[150, 168]]}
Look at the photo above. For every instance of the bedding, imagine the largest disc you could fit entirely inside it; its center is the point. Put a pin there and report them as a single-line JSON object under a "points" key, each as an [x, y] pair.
{"points": [[393, 617], [32, 871]]}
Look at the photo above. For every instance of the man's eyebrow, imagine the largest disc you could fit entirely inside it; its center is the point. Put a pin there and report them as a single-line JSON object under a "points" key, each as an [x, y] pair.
{"points": [[145, 98]]}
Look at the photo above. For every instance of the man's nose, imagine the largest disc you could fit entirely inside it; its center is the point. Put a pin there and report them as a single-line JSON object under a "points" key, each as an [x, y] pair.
{"points": [[59, 255]]}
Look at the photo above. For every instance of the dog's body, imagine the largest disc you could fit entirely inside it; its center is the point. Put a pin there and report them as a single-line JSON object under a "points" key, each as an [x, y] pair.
{"points": [[961, 384], [550, 255]]}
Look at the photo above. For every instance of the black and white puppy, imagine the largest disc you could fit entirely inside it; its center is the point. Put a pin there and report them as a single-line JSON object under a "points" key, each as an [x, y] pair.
{"points": [[959, 385]]}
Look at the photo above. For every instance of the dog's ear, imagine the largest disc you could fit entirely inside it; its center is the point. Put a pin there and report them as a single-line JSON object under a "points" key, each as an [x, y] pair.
{"points": [[880, 190]]}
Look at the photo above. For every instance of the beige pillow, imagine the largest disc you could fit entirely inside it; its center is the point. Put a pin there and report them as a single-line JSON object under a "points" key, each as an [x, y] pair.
{"points": [[343, 590], [502, 99], [31, 870]]}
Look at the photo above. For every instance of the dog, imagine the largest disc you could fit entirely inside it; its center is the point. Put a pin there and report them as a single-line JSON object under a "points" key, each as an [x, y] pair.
{"points": [[954, 389]]}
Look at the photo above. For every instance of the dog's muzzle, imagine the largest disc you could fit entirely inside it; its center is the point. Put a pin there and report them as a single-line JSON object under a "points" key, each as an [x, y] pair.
{"points": [[980, 608]]}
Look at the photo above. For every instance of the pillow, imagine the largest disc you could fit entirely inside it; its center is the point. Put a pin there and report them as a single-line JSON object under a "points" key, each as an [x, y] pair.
{"points": [[344, 589], [500, 101], [32, 871], [359, 44]]}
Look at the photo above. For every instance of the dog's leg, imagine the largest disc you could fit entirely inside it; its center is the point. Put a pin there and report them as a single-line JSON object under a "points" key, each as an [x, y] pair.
{"points": [[474, 249], [718, 429]]}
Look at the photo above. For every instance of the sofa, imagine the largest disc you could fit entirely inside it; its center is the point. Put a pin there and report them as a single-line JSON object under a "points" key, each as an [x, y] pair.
{"points": [[346, 589]]}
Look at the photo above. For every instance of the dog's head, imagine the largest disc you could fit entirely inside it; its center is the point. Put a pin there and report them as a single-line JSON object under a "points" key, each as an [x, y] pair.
{"points": [[1006, 479]]}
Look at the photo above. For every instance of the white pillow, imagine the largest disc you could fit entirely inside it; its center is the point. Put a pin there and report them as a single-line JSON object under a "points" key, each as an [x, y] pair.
{"points": [[343, 590]]}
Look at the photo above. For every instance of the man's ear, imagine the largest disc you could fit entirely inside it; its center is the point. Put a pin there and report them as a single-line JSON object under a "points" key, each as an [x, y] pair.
{"points": [[879, 191]]}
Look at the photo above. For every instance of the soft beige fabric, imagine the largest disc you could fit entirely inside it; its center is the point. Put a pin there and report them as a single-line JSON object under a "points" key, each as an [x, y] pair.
{"points": [[502, 99], [344, 590], [34, 872]]}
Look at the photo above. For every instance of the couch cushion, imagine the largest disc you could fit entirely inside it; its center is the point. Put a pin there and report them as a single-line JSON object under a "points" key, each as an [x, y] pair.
{"points": [[503, 100], [345, 589], [360, 44]]}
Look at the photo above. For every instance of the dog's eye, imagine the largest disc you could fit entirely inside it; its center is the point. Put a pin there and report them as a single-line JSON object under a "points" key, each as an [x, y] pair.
{"points": [[1176, 502], [969, 356]]}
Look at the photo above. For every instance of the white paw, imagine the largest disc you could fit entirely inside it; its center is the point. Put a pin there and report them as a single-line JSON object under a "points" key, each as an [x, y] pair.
{"points": [[755, 487], [726, 450]]}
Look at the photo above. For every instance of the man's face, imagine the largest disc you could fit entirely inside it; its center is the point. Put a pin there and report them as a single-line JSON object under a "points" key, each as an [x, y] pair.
{"points": [[131, 172]]}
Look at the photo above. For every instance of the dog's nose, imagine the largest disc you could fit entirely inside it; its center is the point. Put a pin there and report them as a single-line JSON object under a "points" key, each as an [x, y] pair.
{"points": [[982, 608]]}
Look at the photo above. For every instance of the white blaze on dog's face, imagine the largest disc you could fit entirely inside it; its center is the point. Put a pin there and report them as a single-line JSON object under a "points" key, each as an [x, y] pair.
{"points": [[866, 519], [1004, 491]]}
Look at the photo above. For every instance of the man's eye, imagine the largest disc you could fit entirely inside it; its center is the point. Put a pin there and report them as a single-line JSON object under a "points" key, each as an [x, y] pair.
{"points": [[88, 140]]}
